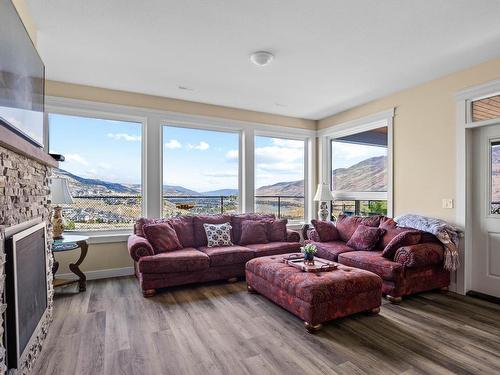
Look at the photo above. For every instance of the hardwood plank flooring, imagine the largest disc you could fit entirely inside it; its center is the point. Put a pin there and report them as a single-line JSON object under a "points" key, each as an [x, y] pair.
{"points": [[219, 328]]}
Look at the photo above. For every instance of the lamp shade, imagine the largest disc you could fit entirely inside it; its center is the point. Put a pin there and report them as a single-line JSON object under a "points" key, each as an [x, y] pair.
{"points": [[323, 194], [59, 191]]}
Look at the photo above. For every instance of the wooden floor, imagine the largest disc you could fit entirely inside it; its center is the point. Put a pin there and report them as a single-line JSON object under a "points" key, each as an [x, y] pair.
{"points": [[221, 329]]}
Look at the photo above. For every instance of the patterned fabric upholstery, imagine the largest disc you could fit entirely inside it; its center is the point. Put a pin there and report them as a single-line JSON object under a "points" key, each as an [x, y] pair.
{"points": [[253, 231], [421, 255], [346, 225], [162, 237], [226, 255], [330, 250], [139, 247], [185, 260], [274, 248], [373, 261], [408, 238], [391, 231], [276, 230], [238, 219], [292, 236], [326, 230], [313, 235], [315, 298], [200, 237], [218, 234], [365, 238]]}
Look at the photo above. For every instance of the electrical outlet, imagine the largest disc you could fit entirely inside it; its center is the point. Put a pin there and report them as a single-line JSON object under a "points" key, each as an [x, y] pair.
{"points": [[447, 203]]}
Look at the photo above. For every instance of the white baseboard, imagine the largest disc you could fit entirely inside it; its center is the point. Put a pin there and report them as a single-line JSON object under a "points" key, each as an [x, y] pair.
{"points": [[100, 274]]}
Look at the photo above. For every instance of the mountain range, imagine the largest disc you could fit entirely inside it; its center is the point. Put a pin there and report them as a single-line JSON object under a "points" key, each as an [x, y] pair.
{"points": [[367, 175]]}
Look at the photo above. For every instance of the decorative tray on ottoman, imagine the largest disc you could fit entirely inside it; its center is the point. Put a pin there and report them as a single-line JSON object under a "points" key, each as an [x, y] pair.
{"points": [[320, 264]]}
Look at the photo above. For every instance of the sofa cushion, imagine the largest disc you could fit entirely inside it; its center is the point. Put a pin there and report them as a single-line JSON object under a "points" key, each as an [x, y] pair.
{"points": [[330, 250], [346, 225], [276, 230], [391, 231], [200, 237], [218, 234], [183, 226], [253, 231], [365, 238], [227, 255], [184, 260], [326, 230], [407, 238], [162, 237], [274, 248], [237, 219], [373, 261]]}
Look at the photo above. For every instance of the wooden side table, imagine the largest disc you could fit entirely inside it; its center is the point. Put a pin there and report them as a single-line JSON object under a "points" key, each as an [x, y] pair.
{"points": [[68, 243]]}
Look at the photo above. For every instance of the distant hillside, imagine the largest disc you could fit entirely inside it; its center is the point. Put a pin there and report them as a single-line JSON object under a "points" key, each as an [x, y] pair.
{"points": [[90, 186], [224, 192], [367, 175], [295, 188], [178, 190]]}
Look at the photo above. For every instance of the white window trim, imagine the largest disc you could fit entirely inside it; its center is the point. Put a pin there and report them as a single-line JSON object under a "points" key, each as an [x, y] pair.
{"points": [[377, 120], [152, 150], [461, 279]]}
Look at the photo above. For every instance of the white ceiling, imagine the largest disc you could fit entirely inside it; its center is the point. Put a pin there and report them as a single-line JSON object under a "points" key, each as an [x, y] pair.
{"points": [[329, 55]]}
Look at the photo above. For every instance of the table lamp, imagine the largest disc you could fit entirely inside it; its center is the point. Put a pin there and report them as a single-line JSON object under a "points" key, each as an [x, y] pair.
{"points": [[59, 195], [323, 195]]}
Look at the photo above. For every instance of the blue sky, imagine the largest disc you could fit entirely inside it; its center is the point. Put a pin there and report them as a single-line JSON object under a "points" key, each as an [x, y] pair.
{"points": [[96, 148]]}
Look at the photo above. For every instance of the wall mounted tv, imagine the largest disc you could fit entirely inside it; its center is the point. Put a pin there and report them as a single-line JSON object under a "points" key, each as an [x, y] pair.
{"points": [[22, 78]]}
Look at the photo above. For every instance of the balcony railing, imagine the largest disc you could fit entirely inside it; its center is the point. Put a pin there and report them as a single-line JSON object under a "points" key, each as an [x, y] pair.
{"points": [[107, 212], [358, 207]]}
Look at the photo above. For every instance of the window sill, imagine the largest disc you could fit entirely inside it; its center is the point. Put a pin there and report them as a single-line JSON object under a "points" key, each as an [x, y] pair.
{"points": [[103, 237]]}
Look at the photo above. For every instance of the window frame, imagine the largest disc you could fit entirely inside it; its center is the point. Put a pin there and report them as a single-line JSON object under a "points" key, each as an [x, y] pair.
{"points": [[377, 120], [153, 120], [306, 168]]}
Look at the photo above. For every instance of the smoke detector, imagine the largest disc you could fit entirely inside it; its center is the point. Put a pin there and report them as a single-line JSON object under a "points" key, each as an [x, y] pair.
{"points": [[261, 58]]}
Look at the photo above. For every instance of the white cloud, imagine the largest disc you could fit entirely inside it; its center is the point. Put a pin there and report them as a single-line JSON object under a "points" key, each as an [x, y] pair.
{"points": [[104, 165], [125, 137], [202, 146], [221, 174], [289, 143], [275, 154], [232, 155], [76, 158], [173, 144]]}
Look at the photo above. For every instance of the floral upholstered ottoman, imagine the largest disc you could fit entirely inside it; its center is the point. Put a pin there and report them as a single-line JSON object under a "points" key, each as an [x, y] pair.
{"points": [[315, 297]]}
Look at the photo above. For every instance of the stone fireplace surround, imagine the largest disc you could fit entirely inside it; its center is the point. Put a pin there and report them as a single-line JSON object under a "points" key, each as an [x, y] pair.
{"points": [[24, 195]]}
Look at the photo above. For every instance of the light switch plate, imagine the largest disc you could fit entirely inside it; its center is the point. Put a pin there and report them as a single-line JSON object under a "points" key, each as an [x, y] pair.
{"points": [[447, 203]]}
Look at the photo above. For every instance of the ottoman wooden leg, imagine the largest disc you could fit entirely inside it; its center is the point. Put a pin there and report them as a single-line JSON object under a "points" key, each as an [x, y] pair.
{"points": [[149, 293], [444, 289], [232, 280], [374, 311], [251, 290], [312, 328], [394, 300]]}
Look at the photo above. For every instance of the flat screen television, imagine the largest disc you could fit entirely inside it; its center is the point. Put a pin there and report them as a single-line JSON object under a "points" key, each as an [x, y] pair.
{"points": [[22, 78]]}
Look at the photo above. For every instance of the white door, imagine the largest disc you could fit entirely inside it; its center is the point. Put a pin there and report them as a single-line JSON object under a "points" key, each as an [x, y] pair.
{"points": [[485, 174]]}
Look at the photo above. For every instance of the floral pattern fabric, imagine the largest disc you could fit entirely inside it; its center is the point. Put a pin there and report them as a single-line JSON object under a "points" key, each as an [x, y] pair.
{"points": [[365, 238], [218, 234]]}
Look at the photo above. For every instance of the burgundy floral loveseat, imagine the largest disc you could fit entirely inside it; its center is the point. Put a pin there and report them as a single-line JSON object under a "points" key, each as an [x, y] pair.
{"points": [[407, 260], [193, 261]]}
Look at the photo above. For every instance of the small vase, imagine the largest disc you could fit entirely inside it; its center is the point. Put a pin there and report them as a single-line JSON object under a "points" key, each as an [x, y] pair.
{"points": [[309, 258]]}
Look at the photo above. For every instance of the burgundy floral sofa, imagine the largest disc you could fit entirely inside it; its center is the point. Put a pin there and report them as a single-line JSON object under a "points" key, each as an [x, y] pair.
{"points": [[194, 261], [407, 260]]}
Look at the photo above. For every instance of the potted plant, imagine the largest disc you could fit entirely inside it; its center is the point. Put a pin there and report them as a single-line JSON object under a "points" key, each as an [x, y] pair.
{"points": [[309, 250]]}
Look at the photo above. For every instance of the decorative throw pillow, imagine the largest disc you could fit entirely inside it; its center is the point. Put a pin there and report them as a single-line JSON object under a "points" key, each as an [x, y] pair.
{"points": [[253, 232], [276, 230], [326, 230], [346, 225], [391, 231], [408, 238], [218, 234], [365, 237], [162, 237]]}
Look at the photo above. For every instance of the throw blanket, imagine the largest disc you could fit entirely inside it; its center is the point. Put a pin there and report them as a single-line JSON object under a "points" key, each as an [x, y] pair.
{"points": [[446, 233]]}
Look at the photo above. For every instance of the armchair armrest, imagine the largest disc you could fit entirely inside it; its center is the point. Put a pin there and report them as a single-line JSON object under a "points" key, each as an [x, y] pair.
{"points": [[420, 255], [309, 233], [292, 236], [139, 247]]}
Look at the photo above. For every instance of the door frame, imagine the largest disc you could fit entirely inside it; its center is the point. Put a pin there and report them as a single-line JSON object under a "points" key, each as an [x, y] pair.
{"points": [[461, 282]]}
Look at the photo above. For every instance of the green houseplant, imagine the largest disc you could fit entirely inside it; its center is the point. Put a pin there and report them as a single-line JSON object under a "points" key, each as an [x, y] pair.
{"points": [[309, 250]]}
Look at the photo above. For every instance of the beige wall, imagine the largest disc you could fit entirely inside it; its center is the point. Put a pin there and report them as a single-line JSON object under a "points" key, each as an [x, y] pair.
{"points": [[68, 90], [424, 138], [29, 24]]}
